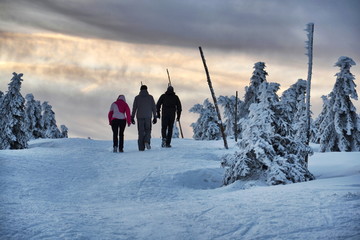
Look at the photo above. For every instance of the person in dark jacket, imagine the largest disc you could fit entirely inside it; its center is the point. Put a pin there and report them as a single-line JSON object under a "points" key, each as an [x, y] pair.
{"points": [[144, 108], [169, 104]]}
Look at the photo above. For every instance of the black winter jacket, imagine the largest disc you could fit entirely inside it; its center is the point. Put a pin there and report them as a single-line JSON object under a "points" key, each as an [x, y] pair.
{"points": [[170, 103]]}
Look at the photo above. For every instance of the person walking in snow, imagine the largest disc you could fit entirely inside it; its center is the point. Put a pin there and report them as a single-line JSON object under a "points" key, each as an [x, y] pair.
{"points": [[170, 104], [144, 109], [118, 116]]}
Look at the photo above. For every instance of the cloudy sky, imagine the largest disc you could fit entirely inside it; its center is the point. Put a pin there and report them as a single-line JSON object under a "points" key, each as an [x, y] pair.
{"points": [[79, 55]]}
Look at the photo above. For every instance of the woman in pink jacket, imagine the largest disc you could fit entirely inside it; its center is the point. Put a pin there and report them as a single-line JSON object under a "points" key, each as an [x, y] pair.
{"points": [[119, 115]]}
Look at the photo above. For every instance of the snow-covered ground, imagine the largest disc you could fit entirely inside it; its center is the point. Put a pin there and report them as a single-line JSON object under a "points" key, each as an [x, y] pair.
{"points": [[79, 189]]}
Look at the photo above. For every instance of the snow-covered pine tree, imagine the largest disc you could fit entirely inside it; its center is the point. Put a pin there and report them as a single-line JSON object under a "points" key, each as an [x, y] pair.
{"points": [[50, 129], [206, 127], [290, 139], [256, 152], [340, 128], [252, 91], [1, 99], [2, 127], [33, 116], [299, 123], [64, 131], [317, 132], [293, 110], [228, 104], [313, 131], [12, 121], [290, 99], [266, 152]]}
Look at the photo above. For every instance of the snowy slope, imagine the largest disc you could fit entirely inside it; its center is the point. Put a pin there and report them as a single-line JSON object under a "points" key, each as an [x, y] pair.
{"points": [[79, 189]]}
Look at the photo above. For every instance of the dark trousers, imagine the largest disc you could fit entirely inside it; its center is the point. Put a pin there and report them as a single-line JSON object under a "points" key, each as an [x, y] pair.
{"points": [[144, 132], [118, 128], [167, 125]]}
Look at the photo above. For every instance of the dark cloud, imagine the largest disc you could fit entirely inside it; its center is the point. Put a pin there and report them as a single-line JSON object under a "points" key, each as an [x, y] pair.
{"points": [[249, 26]]}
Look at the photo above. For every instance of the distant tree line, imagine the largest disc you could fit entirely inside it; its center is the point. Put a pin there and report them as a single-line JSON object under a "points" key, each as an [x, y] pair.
{"points": [[23, 119], [272, 129]]}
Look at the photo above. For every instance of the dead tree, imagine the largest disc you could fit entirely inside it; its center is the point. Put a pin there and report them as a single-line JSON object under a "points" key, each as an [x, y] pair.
{"points": [[220, 124], [309, 47], [235, 117]]}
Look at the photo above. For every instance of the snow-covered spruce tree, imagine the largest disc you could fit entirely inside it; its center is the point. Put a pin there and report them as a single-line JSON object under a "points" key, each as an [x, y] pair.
{"points": [[14, 133], [299, 123], [313, 131], [1, 98], [228, 104], [206, 127], [317, 132], [2, 127], [291, 97], [293, 109], [50, 129], [256, 151], [339, 130], [265, 153], [290, 138], [33, 117], [64, 131], [252, 91]]}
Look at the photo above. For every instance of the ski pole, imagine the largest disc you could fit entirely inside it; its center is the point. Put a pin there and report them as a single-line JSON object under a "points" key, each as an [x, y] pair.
{"points": [[181, 132], [168, 76]]}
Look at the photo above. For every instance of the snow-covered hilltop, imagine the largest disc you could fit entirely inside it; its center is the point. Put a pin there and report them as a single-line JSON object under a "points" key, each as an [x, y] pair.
{"points": [[79, 189]]}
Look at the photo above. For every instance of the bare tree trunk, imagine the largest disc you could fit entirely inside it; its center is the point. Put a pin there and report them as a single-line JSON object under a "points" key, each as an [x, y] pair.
{"points": [[310, 30], [220, 124], [235, 118]]}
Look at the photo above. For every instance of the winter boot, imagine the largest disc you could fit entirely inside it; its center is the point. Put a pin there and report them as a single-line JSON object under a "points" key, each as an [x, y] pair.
{"points": [[115, 149], [163, 143], [147, 145]]}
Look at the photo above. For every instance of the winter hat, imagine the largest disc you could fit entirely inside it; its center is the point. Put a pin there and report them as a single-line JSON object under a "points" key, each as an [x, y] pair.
{"points": [[170, 89], [143, 87]]}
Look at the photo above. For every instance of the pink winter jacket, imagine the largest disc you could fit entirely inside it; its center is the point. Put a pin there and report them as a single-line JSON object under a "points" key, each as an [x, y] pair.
{"points": [[120, 110]]}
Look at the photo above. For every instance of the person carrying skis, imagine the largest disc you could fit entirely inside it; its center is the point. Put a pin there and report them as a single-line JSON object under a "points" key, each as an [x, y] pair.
{"points": [[170, 104], [144, 107], [118, 116]]}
